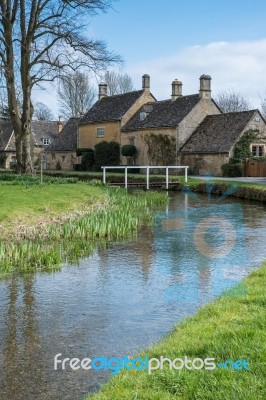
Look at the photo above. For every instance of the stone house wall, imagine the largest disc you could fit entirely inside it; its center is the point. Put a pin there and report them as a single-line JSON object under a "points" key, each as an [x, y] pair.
{"points": [[87, 133], [143, 99], [202, 164], [188, 125], [137, 138], [66, 159], [257, 123]]}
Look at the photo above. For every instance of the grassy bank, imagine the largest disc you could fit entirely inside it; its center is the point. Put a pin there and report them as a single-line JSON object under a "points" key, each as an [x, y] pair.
{"points": [[24, 206], [242, 190], [232, 327], [44, 226]]}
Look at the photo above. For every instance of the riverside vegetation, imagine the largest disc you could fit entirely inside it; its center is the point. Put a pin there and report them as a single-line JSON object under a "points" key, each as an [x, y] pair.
{"points": [[60, 221], [231, 328]]}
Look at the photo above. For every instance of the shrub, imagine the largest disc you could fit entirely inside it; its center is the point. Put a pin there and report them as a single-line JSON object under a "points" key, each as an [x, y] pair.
{"points": [[107, 153], [232, 170], [128, 150], [242, 147], [58, 166], [88, 160], [77, 167], [80, 151]]}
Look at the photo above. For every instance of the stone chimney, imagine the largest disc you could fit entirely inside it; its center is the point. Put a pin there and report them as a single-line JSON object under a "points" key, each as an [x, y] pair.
{"points": [[59, 126], [102, 90], [176, 89], [146, 82], [205, 87]]}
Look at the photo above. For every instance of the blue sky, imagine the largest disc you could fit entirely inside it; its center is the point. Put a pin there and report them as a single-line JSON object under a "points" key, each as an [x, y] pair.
{"points": [[146, 29], [184, 39]]}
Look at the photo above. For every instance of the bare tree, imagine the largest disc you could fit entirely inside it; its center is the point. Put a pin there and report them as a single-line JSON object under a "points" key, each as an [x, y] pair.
{"points": [[232, 101], [40, 40], [42, 112], [117, 83], [75, 95], [263, 105]]}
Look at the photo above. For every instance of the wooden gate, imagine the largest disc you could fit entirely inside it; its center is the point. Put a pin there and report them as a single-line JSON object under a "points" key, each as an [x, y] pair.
{"points": [[255, 168]]}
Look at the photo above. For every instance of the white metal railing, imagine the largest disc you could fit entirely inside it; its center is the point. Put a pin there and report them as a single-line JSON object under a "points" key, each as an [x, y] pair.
{"points": [[147, 167]]}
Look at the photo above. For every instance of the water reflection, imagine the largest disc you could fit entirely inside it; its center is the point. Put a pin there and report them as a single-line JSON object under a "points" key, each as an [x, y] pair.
{"points": [[122, 299]]}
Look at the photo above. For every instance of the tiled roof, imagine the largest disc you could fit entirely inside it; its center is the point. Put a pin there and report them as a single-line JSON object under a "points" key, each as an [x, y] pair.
{"points": [[40, 130], [6, 130], [162, 114], [67, 138], [111, 108], [44, 130], [217, 133]]}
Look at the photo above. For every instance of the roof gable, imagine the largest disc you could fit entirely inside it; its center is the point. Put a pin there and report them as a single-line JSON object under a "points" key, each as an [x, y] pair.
{"points": [[66, 140], [166, 113], [218, 133], [43, 130], [6, 129], [111, 108]]}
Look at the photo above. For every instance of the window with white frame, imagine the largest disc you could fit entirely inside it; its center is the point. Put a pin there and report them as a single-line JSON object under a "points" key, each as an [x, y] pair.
{"points": [[46, 141], [257, 150], [100, 132]]}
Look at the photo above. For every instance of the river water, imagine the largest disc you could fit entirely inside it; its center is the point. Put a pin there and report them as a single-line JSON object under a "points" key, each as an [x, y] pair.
{"points": [[125, 296]]}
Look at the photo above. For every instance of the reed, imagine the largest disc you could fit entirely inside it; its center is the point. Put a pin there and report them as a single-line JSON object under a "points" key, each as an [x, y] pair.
{"points": [[122, 216]]}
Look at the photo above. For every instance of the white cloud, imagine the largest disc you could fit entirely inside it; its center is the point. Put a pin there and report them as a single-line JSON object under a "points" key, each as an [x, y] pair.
{"points": [[233, 65]]}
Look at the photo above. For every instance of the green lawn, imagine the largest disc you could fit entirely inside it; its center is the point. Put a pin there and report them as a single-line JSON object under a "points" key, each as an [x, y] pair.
{"points": [[43, 226], [232, 327], [22, 205]]}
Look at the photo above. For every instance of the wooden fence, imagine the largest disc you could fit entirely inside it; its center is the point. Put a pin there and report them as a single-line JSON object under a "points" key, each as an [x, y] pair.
{"points": [[255, 168]]}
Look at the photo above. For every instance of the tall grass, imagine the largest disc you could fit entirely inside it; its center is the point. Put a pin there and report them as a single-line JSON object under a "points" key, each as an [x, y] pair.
{"points": [[122, 216], [24, 179]]}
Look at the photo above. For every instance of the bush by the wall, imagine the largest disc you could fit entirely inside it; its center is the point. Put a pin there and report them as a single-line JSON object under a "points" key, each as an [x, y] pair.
{"points": [[242, 147], [77, 167], [128, 150], [231, 170], [87, 160], [58, 166], [106, 153]]}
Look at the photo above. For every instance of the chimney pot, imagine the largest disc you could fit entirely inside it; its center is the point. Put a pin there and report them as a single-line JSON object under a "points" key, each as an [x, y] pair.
{"points": [[205, 86], [146, 82], [176, 89], [102, 90], [59, 126]]}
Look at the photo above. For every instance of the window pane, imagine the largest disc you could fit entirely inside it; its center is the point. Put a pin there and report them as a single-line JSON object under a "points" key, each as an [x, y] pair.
{"points": [[261, 151], [100, 132]]}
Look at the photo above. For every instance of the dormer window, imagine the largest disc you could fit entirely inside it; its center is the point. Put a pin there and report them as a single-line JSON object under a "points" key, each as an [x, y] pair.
{"points": [[142, 115], [46, 141]]}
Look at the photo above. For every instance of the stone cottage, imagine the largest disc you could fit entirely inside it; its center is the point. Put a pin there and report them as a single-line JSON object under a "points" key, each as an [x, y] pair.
{"points": [[110, 113], [175, 119], [43, 134], [212, 143], [61, 153]]}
